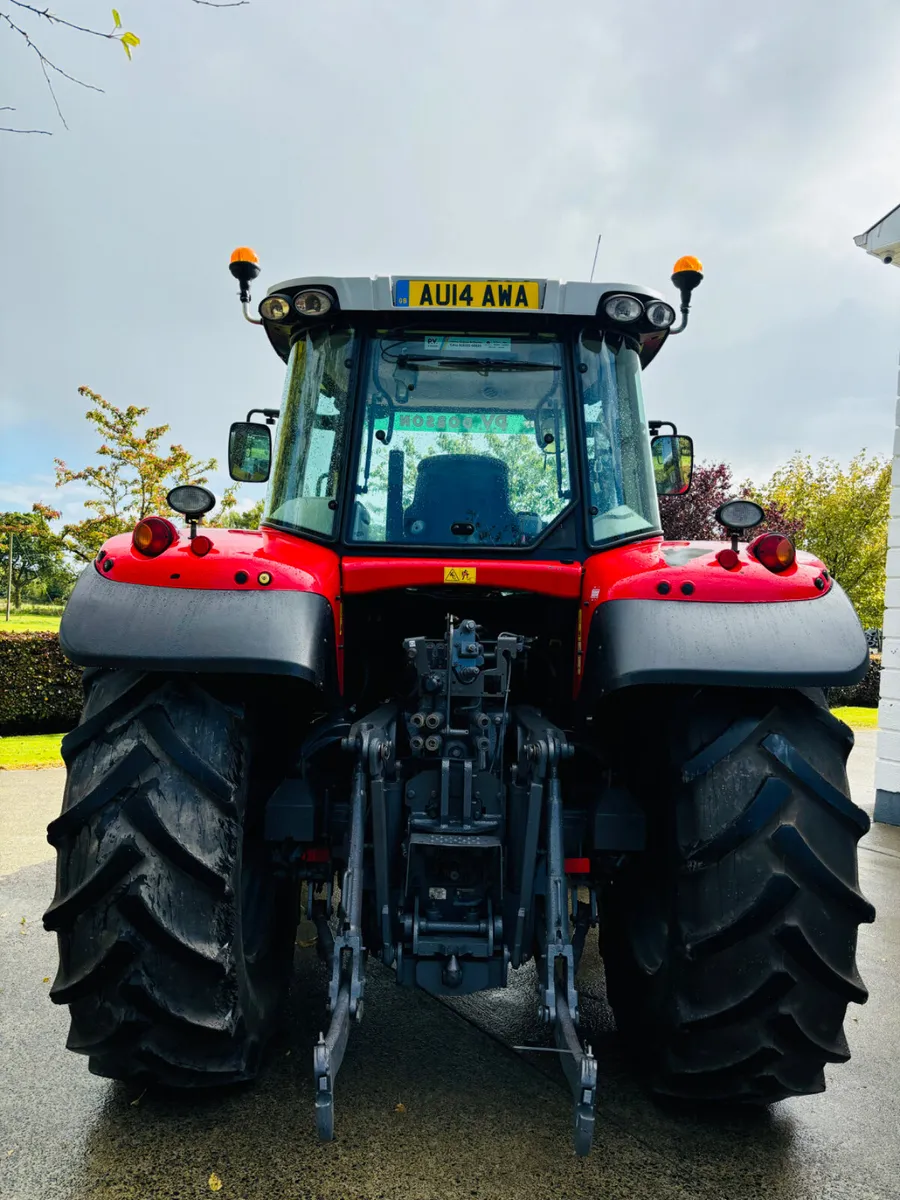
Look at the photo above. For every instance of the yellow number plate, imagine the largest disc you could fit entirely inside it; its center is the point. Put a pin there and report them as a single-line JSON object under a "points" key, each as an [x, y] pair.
{"points": [[460, 293], [460, 574]]}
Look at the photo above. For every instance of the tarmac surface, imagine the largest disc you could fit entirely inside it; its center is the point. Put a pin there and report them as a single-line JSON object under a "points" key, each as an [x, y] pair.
{"points": [[432, 1101]]}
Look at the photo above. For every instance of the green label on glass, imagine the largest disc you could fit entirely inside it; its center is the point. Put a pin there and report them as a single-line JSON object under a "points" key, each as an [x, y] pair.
{"points": [[429, 422]]}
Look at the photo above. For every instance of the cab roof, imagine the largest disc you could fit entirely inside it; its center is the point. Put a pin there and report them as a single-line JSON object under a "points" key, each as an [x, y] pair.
{"points": [[377, 293], [393, 294]]}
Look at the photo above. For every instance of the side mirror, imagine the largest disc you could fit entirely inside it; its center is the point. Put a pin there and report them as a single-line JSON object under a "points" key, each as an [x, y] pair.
{"points": [[249, 452], [673, 463]]}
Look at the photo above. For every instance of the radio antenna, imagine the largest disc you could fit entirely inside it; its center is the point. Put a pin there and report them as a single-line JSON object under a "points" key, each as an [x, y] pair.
{"points": [[596, 252]]}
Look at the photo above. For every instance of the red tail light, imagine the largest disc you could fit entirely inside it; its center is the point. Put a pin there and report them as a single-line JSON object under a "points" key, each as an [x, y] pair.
{"points": [[201, 544], [153, 535], [774, 551]]}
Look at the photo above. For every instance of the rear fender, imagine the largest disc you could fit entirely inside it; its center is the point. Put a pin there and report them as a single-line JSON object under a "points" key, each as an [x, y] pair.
{"points": [[258, 603], [669, 613]]}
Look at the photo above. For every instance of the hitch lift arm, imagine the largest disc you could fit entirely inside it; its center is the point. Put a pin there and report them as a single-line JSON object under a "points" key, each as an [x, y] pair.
{"points": [[372, 741], [542, 748]]}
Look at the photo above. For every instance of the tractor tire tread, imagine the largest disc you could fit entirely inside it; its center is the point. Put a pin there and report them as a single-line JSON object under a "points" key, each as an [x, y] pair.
{"points": [[745, 997], [148, 900]]}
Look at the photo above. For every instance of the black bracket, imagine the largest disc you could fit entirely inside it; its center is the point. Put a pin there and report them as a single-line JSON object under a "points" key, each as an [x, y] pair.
{"points": [[372, 741], [542, 747], [271, 414]]}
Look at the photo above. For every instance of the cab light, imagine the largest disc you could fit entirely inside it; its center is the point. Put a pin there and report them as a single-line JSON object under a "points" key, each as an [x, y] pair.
{"points": [[774, 551], [623, 308], [201, 545], [152, 536], [660, 314], [312, 303], [688, 263], [275, 308], [244, 254]]}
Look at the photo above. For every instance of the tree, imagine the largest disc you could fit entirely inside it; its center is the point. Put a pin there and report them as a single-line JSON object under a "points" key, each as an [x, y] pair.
{"points": [[29, 17], [692, 517], [36, 555], [844, 514], [233, 518], [132, 481]]}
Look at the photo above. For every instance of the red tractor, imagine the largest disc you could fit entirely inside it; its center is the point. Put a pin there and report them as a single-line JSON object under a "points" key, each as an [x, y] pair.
{"points": [[459, 695]]}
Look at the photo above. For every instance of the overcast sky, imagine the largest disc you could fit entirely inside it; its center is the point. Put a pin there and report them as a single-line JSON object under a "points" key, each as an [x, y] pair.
{"points": [[452, 137]]}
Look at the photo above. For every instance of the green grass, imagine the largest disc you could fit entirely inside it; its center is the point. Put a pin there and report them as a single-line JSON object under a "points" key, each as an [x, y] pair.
{"points": [[25, 622], [42, 749], [30, 751], [858, 718]]}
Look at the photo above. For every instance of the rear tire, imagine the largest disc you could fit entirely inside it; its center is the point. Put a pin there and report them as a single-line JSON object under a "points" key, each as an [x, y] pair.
{"points": [[730, 944], [175, 937]]}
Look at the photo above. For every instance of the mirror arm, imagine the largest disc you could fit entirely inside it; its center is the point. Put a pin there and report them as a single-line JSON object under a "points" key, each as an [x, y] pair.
{"points": [[271, 414]]}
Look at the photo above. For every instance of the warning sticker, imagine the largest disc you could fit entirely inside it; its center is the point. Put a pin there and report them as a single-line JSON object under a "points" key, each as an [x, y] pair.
{"points": [[493, 345], [460, 574]]}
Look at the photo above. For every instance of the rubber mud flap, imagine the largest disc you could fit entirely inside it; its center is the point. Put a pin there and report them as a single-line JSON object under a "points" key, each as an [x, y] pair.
{"points": [[109, 624], [797, 643]]}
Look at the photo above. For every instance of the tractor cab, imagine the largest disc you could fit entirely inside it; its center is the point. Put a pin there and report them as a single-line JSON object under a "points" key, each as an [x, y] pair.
{"points": [[481, 416]]}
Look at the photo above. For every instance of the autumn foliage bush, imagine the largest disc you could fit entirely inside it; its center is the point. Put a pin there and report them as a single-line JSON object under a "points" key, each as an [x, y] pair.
{"points": [[692, 517]]}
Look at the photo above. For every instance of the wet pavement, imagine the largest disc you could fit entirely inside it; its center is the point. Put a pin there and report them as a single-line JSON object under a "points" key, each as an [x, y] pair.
{"points": [[431, 1101]]}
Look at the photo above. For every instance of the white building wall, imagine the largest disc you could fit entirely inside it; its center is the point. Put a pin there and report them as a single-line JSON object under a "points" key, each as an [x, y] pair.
{"points": [[887, 766]]}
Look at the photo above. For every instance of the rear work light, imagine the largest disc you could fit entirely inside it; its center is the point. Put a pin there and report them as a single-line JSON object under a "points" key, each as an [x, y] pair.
{"points": [[153, 535], [312, 303], [774, 551], [623, 308]]}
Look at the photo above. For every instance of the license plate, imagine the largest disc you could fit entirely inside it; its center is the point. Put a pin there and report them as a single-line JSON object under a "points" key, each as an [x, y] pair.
{"points": [[513, 294]]}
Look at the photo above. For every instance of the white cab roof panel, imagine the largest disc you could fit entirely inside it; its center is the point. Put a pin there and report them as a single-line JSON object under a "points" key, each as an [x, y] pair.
{"points": [[381, 293]]}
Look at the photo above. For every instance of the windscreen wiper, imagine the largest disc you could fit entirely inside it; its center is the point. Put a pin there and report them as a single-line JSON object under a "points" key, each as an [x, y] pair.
{"points": [[479, 364]]}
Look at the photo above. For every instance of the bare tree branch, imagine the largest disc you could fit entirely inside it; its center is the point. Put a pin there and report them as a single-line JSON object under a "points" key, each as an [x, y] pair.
{"points": [[45, 61], [6, 128], [55, 20], [47, 65], [53, 94]]}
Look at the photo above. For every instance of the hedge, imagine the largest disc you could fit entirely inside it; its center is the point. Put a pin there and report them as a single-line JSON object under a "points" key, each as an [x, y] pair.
{"points": [[40, 690], [863, 694]]}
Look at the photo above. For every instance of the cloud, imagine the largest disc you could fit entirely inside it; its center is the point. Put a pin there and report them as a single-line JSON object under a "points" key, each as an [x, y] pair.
{"points": [[472, 136]]}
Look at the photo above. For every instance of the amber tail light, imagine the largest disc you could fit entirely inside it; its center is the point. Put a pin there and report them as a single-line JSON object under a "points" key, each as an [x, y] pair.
{"points": [[774, 551], [152, 536]]}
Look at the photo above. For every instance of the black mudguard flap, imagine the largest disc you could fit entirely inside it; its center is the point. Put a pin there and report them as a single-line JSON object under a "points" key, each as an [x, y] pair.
{"points": [[108, 624], [798, 643]]}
